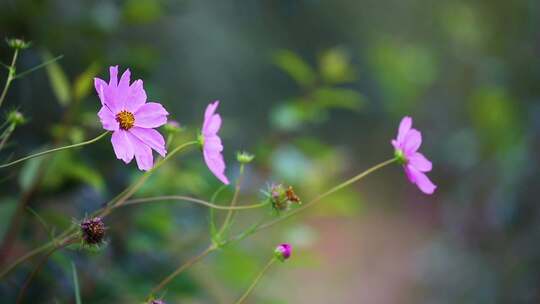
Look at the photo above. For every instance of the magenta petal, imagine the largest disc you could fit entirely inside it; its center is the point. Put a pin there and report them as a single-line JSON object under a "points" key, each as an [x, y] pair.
{"points": [[150, 137], [420, 162], [216, 164], [404, 127], [136, 97], [151, 115], [212, 126], [122, 145], [213, 144], [108, 119], [143, 153], [412, 142], [210, 110], [421, 180], [113, 81], [100, 86]]}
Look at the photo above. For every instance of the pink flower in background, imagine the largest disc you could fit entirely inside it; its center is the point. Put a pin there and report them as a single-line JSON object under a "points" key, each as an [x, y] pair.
{"points": [[415, 164], [132, 120], [211, 143]]}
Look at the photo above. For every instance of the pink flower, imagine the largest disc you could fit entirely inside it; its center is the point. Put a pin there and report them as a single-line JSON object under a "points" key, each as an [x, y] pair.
{"points": [[211, 143], [415, 164], [132, 120]]}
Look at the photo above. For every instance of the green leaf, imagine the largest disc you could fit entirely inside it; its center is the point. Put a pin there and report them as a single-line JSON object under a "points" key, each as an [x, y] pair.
{"points": [[65, 166], [58, 79], [338, 98], [82, 85], [76, 284], [142, 11], [29, 171], [335, 67], [295, 67]]}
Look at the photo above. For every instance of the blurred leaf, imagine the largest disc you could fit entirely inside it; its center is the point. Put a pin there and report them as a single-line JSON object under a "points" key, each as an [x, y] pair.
{"points": [[76, 284], [83, 84], [7, 208], [29, 171], [58, 80], [64, 166], [404, 72], [338, 98], [494, 114], [335, 66], [142, 11], [286, 116], [295, 66]]}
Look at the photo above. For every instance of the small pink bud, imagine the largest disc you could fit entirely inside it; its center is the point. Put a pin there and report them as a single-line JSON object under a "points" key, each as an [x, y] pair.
{"points": [[283, 251]]}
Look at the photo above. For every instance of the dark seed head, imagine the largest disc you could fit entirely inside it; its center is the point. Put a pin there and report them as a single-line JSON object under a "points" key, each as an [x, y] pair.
{"points": [[93, 231]]}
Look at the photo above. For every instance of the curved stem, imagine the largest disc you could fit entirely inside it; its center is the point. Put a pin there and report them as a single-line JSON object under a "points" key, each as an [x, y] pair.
{"points": [[25, 257], [11, 76], [233, 200], [182, 267], [321, 196], [255, 281], [128, 192], [84, 143], [188, 199]]}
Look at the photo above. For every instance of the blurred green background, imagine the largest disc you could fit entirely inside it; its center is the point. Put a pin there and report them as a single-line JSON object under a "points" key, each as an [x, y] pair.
{"points": [[315, 89]]}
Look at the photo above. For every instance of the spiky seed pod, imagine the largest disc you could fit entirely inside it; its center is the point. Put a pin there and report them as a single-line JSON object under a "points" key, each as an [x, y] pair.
{"points": [[93, 231]]}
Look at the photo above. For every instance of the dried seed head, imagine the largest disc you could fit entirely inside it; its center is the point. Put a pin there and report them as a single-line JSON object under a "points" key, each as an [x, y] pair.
{"points": [[93, 231], [282, 197]]}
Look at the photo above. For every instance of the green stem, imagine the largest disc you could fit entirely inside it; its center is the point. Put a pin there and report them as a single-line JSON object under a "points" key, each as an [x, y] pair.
{"points": [[181, 268], [323, 195], [11, 76], [233, 201], [6, 134], [189, 199], [257, 279], [84, 143]]}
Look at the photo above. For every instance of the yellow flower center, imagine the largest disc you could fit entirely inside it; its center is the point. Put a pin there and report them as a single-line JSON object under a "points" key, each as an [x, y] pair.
{"points": [[125, 119]]}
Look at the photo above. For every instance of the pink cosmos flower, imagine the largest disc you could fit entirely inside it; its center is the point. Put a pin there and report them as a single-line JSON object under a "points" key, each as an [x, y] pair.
{"points": [[132, 120], [211, 143], [415, 164]]}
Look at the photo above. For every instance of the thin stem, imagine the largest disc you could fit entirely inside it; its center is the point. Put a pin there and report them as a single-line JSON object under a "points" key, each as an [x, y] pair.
{"points": [[25, 257], [37, 67], [181, 268], [233, 200], [11, 76], [128, 192], [84, 143], [323, 195], [189, 199], [257, 279], [39, 266], [6, 134]]}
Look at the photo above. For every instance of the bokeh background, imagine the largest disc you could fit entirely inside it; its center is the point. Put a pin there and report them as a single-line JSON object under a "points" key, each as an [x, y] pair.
{"points": [[315, 89]]}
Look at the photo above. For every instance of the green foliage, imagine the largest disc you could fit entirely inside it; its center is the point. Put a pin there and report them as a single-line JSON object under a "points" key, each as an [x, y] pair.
{"points": [[295, 67], [76, 284], [58, 80]]}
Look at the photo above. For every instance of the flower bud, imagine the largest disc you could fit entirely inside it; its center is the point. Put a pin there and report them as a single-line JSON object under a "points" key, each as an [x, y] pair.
{"points": [[93, 231], [15, 118], [157, 302], [282, 197], [172, 127], [283, 251], [18, 44], [244, 157]]}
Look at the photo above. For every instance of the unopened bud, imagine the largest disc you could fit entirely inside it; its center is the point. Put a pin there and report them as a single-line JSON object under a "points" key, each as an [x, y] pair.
{"points": [[18, 44], [15, 118], [244, 157], [283, 251]]}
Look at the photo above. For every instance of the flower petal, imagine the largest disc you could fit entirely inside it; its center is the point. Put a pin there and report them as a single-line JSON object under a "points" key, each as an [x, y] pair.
{"points": [[210, 110], [214, 161], [143, 153], [100, 86], [421, 180], [212, 125], [136, 97], [108, 120], [122, 145], [420, 162], [151, 115], [113, 72], [404, 127], [212, 144], [150, 137], [122, 91], [412, 141]]}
